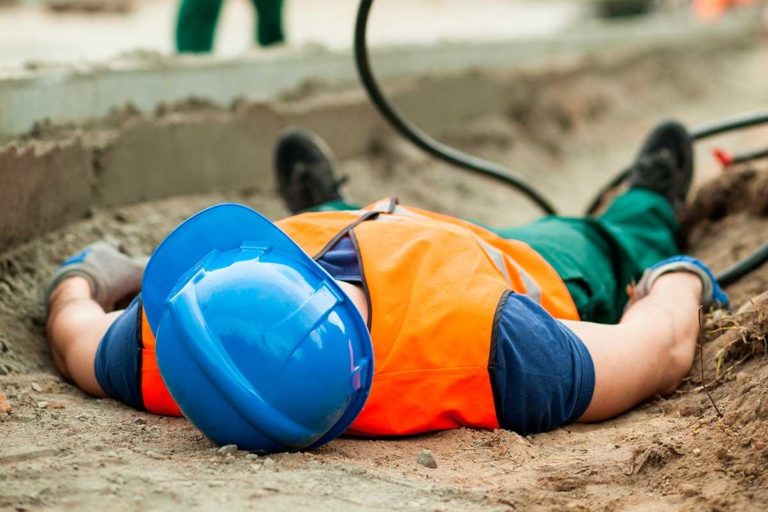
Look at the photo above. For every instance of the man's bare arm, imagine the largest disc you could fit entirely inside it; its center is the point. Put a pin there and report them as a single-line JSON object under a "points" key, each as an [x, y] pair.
{"points": [[649, 352]]}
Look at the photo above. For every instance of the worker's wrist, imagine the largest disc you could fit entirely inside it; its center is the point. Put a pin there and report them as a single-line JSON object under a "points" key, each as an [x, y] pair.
{"points": [[680, 283], [710, 293]]}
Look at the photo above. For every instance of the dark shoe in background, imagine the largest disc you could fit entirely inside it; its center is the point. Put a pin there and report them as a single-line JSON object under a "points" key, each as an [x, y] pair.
{"points": [[665, 163], [306, 171]]}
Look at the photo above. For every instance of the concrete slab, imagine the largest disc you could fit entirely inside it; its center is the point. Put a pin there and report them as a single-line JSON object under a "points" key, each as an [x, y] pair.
{"points": [[76, 93], [42, 188]]}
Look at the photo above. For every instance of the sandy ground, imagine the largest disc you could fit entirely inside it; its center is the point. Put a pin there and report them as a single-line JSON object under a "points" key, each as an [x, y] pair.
{"points": [[62, 450]]}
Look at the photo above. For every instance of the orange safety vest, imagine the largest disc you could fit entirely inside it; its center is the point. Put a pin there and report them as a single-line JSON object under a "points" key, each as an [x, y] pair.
{"points": [[434, 284]]}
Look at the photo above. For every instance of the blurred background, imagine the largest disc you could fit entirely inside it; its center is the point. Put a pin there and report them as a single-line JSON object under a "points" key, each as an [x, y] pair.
{"points": [[44, 31]]}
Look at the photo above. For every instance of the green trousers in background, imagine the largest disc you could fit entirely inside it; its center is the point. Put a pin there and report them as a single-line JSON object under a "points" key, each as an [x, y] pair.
{"points": [[598, 257], [197, 19]]}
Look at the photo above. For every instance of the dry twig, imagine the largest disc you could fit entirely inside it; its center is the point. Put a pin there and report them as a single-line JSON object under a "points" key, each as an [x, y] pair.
{"points": [[701, 361]]}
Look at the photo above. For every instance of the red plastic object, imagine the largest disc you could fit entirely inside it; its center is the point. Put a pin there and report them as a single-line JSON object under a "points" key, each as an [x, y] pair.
{"points": [[725, 158]]}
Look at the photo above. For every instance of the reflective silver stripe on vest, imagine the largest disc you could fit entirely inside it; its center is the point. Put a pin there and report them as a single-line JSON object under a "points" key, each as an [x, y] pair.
{"points": [[532, 289], [498, 259]]}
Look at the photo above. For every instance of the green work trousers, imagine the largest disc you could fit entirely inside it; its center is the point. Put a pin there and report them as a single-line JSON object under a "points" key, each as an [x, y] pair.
{"points": [[197, 20], [598, 257]]}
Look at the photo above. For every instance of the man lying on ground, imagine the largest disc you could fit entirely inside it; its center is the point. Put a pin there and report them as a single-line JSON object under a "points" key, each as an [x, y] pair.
{"points": [[390, 320]]}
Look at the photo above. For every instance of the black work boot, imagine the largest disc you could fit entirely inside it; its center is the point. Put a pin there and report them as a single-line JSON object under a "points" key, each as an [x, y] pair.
{"points": [[306, 171], [665, 163]]}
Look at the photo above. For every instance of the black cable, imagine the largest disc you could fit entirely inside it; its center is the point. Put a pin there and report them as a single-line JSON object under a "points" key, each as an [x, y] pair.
{"points": [[738, 123], [421, 139], [743, 267], [743, 158]]}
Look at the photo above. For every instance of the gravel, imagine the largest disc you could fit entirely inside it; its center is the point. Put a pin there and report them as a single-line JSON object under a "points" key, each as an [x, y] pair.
{"points": [[227, 449], [427, 459]]}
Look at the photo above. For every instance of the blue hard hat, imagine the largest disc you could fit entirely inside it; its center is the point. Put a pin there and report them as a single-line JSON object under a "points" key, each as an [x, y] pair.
{"points": [[256, 343]]}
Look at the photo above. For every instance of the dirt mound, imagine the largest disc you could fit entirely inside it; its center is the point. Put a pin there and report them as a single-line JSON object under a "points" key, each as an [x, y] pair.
{"points": [[727, 220]]}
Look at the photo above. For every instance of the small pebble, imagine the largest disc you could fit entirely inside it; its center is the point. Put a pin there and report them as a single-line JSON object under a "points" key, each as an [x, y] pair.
{"points": [[427, 459], [689, 490], [251, 457], [37, 387], [42, 405], [227, 449], [4, 370], [139, 421], [696, 451], [269, 462]]}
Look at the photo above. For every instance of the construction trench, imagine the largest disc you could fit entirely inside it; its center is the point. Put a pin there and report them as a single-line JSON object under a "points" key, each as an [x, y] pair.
{"points": [[567, 124]]}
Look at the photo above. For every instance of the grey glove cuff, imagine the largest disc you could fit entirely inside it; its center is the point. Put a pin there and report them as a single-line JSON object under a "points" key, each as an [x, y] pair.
{"points": [[651, 275]]}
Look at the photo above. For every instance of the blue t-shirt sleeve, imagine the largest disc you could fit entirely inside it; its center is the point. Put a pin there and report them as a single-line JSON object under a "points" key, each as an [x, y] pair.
{"points": [[542, 373], [341, 262]]}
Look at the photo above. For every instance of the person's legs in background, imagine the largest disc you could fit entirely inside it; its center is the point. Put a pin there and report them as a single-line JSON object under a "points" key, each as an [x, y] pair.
{"points": [[195, 25], [269, 22], [197, 19]]}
